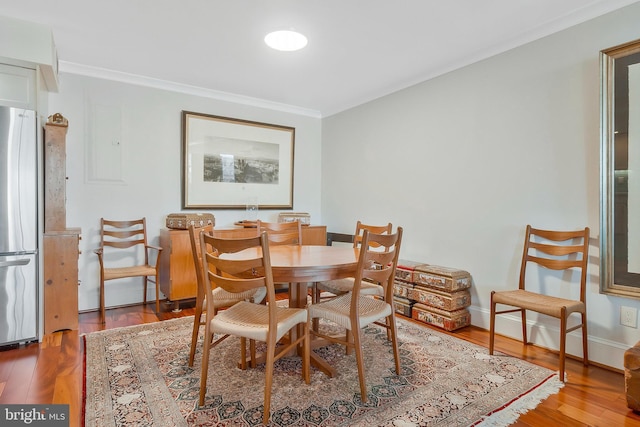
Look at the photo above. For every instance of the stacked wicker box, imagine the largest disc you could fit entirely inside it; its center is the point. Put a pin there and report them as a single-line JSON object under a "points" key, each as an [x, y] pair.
{"points": [[441, 296], [402, 286]]}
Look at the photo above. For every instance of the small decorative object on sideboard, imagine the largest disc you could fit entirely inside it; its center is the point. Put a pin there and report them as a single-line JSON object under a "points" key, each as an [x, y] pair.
{"points": [[181, 221], [303, 217]]}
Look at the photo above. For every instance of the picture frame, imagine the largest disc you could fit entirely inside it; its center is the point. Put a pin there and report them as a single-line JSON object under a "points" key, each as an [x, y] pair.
{"points": [[230, 163]]}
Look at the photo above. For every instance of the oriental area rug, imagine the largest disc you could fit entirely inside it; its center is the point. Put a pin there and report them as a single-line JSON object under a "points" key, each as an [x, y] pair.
{"points": [[139, 376]]}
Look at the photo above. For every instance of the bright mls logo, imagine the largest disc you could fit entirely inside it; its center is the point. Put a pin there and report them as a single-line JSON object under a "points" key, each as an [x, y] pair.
{"points": [[34, 415]]}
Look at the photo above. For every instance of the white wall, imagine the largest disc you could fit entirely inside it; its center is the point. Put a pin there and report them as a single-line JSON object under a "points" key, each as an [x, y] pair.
{"points": [[151, 143], [475, 156], [464, 161]]}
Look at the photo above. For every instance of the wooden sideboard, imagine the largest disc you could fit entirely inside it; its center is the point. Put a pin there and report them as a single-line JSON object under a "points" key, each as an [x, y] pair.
{"points": [[177, 271]]}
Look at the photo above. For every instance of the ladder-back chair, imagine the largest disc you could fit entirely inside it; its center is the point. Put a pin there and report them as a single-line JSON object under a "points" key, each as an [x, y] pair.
{"points": [[124, 252], [556, 250]]}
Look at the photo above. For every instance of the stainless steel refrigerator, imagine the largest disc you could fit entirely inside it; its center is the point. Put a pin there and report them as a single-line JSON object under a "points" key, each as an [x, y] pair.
{"points": [[18, 226]]}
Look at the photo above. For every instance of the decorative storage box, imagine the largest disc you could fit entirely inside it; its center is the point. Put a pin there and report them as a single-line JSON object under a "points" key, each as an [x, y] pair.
{"points": [[442, 278], [402, 306], [448, 301], [402, 288], [448, 320], [405, 270], [182, 221], [303, 217]]}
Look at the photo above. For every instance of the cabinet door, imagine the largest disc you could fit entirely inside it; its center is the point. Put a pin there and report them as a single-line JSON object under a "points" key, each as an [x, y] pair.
{"points": [[60, 282], [177, 270], [18, 87]]}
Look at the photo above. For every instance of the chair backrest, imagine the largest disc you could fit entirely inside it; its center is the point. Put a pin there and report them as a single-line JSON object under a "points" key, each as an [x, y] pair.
{"points": [[237, 275], [282, 233], [557, 250], [124, 235], [377, 229], [194, 238], [378, 266]]}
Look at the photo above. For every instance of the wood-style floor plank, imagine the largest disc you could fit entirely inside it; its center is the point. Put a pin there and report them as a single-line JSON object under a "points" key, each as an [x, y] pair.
{"points": [[52, 372]]}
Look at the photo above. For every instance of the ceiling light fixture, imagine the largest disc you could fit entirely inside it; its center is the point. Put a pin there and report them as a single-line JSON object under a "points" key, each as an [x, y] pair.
{"points": [[285, 40]]}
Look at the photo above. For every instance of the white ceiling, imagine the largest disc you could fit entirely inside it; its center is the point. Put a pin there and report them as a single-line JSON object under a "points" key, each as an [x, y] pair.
{"points": [[358, 49]]}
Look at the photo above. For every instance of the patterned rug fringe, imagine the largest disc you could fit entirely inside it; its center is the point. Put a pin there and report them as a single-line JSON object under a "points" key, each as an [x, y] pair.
{"points": [[508, 415]]}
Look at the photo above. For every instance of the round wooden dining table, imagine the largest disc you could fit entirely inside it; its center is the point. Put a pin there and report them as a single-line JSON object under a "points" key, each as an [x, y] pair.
{"points": [[300, 265]]}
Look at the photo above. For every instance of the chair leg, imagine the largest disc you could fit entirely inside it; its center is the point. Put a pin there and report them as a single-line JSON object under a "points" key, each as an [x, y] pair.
{"points": [[585, 340], [268, 380], [204, 372], [243, 353], [252, 350], [306, 354], [144, 292], [391, 321], [347, 338], [315, 298], [196, 328], [360, 361], [563, 340], [525, 340], [157, 296], [102, 315], [492, 324]]}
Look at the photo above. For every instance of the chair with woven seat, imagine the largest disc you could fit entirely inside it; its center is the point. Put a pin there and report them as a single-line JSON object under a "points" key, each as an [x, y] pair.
{"points": [[353, 311], [123, 243], [555, 250], [223, 298], [282, 233], [268, 323], [341, 286]]}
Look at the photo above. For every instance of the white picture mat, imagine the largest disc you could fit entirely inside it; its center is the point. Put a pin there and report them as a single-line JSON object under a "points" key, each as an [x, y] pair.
{"points": [[210, 135]]}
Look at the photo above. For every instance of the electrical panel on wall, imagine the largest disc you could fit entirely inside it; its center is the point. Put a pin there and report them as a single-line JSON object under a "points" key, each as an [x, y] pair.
{"points": [[105, 148]]}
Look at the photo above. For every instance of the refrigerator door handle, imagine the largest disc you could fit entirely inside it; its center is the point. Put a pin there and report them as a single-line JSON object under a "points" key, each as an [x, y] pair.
{"points": [[17, 262]]}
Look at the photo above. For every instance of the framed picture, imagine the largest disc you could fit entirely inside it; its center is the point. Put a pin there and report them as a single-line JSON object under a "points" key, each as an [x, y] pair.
{"points": [[230, 163]]}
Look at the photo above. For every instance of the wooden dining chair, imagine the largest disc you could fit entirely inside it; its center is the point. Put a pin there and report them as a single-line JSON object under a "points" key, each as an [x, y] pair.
{"points": [[353, 311], [282, 233], [124, 252], [268, 323], [223, 298], [555, 250], [341, 286]]}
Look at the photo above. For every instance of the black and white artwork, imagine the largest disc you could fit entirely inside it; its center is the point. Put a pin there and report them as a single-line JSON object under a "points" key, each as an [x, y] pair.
{"points": [[242, 161], [227, 162]]}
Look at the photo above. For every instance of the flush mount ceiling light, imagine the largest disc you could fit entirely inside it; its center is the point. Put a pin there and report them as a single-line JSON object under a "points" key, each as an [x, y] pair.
{"points": [[285, 40]]}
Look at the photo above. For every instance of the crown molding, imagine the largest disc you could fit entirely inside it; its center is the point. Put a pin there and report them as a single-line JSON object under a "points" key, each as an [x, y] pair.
{"points": [[134, 79]]}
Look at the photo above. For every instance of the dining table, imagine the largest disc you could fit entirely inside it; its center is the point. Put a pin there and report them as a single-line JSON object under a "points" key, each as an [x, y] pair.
{"points": [[299, 265]]}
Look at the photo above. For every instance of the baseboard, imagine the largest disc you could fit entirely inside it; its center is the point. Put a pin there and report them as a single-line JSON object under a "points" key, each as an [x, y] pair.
{"points": [[602, 352]]}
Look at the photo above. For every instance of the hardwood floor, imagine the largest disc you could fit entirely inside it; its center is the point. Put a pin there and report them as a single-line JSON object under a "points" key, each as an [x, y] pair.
{"points": [[52, 372]]}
